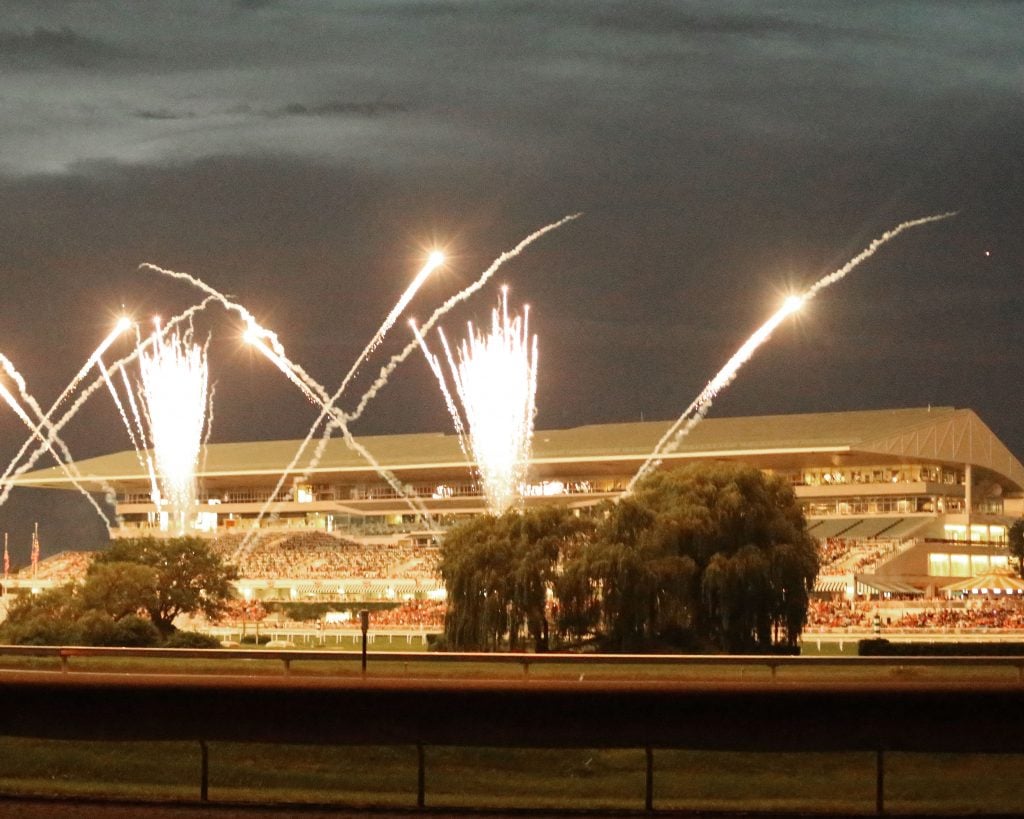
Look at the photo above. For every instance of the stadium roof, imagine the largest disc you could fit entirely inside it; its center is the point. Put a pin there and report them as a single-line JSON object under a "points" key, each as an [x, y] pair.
{"points": [[933, 434]]}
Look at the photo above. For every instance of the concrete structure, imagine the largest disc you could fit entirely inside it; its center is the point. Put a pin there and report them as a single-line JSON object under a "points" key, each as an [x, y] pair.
{"points": [[933, 489]]}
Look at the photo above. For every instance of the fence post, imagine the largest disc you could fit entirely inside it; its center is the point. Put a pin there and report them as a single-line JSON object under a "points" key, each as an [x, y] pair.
{"points": [[649, 793], [421, 779], [880, 781], [204, 772]]}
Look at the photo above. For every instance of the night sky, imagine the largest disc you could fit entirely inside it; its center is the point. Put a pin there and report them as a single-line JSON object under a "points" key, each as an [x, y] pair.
{"points": [[305, 156]]}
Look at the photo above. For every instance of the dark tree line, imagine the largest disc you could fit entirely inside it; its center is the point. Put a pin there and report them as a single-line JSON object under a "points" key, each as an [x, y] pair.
{"points": [[707, 557]]}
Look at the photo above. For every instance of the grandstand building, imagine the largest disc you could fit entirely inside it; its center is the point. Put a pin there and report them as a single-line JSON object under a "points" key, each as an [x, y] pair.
{"points": [[903, 501]]}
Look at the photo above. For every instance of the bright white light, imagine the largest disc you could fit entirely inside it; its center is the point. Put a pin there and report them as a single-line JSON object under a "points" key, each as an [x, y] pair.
{"points": [[495, 377], [793, 303], [174, 391]]}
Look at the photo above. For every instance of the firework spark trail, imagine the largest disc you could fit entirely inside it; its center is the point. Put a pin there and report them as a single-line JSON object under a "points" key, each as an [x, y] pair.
{"points": [[66, 467], [253, 327], [697, 410], [174, 384], [14, 470], [121, 410], [122, 325], [319, 396], [257, 334], [145, 453], [435, 367], [495, 377], [439, 313], [209, 425], [340, 420], [435, 260]]}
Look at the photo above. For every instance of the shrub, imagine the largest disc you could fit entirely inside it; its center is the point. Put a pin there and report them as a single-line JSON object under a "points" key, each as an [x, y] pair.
{"points": [[191, 639]]}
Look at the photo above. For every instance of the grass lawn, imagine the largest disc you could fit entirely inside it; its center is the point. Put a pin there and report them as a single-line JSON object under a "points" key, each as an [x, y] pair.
{"points": [[513, 778]]}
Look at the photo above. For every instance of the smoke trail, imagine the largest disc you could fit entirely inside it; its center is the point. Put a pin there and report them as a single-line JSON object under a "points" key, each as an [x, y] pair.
{"points": [[67, 464], [253, 327], [435, 368], [209, 425], [319, 395], [439, 313], [700, 406], [256, 334], [12, 402], [339, 420], [14, 470], [121, 410]]}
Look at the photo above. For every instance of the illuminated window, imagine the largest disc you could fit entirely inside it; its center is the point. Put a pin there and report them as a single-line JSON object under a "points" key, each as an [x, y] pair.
{"points": [[955, 531], [979, 565], [938, 565], [959, 566], [304, 493], [206, 521], [1000, 563]]}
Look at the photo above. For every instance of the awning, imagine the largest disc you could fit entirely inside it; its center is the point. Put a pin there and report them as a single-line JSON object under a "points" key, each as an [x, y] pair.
{"points": [[994, 583], [870, 584], [831, 584]]}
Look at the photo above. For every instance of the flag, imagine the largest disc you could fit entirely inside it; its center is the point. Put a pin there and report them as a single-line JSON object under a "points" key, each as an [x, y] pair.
{"points": [[35, 549]]}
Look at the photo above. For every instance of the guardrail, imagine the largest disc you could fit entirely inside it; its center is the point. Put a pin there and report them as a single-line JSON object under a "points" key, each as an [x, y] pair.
{"points": [[765, 714], [525, 713], [64, 654]]}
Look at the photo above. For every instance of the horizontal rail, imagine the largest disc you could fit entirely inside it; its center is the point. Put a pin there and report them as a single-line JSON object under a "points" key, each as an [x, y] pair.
{"points": [[508, 658], [908, 717]]}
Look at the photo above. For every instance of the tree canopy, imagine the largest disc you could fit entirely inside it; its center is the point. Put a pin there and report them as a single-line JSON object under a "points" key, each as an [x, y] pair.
{"points": [[130, 596], [497, 571], [189, 576], [709, 556]]}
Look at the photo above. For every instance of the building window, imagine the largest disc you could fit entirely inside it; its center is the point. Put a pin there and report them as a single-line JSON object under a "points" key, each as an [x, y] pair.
{"points": [[959, 566], [938, 565]]}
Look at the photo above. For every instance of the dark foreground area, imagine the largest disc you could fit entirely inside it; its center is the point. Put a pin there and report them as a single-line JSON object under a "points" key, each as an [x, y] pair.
{"points": [[328, 745]]}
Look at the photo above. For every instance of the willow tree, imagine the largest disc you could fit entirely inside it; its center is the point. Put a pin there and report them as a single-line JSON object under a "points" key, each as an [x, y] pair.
{"points": [[498, 572], [714, 554]]}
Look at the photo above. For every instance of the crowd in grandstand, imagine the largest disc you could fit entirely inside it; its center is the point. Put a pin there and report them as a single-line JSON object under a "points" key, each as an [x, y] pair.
{"points": [[840, 555], [414, 614], [322, 556], [60, 568], [833, 615]]}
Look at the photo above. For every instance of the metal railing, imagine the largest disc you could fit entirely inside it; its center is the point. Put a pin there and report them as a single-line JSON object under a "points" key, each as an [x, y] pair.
{"points": [[572, 711], [524, 661]]}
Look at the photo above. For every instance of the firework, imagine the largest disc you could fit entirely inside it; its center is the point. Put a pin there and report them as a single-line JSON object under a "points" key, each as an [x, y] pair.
{"points": [[694, 413], [495, 378], [174, 383]]}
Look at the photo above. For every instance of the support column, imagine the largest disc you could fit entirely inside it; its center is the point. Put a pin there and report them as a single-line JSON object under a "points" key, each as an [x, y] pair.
{"points": [[968, 497]]}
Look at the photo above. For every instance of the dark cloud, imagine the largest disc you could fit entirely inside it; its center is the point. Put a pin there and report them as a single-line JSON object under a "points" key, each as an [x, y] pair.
{"points": [[163, 114], [341, 108], [61, 46], [304, 157]]}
